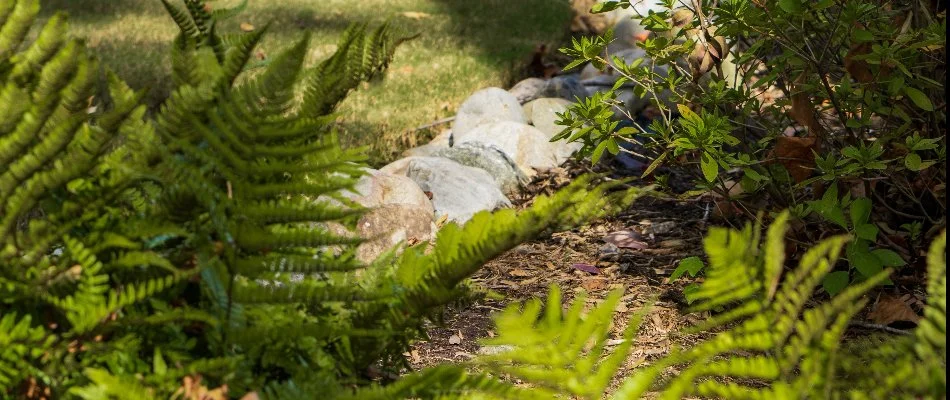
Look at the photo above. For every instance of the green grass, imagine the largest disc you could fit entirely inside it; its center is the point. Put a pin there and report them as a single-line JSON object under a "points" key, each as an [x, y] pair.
{"points": [[465, 45]]}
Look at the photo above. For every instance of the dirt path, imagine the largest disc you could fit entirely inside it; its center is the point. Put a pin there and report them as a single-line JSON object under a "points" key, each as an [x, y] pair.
{"points": [[530, 269]]}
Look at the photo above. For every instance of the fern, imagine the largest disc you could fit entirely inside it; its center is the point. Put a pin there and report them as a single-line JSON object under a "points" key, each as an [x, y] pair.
{"points": [[196, 237]]}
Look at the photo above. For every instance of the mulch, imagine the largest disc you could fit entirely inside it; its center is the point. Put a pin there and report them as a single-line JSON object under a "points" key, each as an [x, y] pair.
{"points": [[530, 269]]}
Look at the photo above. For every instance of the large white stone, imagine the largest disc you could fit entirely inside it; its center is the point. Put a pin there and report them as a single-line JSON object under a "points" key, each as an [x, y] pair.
{"points": [[484, 106], [544, 117], [379, 188], [528, 89], [391, 224], [458, 192], [437, 143], [527, 146], [491, 159]]}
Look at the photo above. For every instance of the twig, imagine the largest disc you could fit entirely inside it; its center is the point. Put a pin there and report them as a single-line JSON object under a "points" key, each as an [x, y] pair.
{"points": [[434, 123], [880, 327], [627, 85]]}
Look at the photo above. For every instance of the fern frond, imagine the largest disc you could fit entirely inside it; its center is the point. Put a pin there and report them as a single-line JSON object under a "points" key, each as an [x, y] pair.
{"points": [[50, 39], [21, 343], [358, 57], [106, 386], [16, 18]]}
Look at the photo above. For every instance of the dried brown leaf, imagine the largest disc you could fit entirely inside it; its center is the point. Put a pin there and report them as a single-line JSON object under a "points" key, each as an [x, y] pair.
{"points": [[594, 284], [890, 309], [797, 155]]}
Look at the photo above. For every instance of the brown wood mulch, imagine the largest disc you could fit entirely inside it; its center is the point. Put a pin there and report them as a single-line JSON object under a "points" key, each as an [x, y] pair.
{"points": [[529, 270]]}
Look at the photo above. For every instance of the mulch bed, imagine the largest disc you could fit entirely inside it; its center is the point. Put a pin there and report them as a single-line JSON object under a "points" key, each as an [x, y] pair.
{"points": [[529, 270]]}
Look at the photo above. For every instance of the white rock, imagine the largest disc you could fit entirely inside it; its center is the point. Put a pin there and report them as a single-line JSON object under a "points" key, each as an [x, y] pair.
{"points": [[641, 7], [589, 72], [437, 143], [400, 166], [380, 188], [487, 105], [527, 146], [491, 159], [627, 33], [457, 191], [544, 117], [528, 89], [391, 224], [567, 87]]}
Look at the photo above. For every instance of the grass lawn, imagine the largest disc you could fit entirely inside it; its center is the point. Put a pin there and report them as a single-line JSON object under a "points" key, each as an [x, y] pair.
{"points": [[464, 45]]}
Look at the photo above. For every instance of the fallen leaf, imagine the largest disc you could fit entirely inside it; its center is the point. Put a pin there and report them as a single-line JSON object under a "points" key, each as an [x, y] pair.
{"points": [[859, 69], [414, 355], [890, 309], [415, 15], [513, 285], [803, 110], [625, 239], [796, 155], [442, 220], [519, 272], [586, 268], [594, 284], [672, 243], [454, 339], [527, 282], [246, 27]]}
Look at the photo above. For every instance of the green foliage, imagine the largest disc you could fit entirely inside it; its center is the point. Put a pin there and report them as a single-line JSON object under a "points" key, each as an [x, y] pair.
{"points": [[692, 266], [769, 342], [137, 252], [140, 253], [787, 104]]}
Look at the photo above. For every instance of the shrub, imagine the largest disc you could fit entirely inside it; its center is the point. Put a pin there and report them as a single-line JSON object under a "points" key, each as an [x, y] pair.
{"points": [[853, 143]]}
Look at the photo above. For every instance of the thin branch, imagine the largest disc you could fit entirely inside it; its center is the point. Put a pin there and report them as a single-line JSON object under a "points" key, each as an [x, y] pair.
{"points": [[879, 327], [434, 123]]}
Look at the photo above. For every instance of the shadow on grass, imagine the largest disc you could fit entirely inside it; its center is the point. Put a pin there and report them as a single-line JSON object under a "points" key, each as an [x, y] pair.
{"points": [[507, 31], [464, 45], [502, 32], [90, 12]]}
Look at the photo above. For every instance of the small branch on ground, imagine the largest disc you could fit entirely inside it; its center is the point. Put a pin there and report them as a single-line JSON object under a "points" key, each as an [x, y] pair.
{"points": [[879, 327], [434, 123]]}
